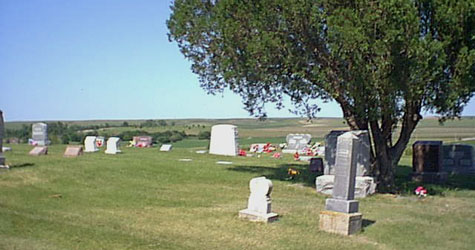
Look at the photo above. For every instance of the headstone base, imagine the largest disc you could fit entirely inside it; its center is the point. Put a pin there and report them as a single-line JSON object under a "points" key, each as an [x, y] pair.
{"points": [[258, 217], [340, 223], [364, 185], [430, 177], [289, 151], [342, 206]]}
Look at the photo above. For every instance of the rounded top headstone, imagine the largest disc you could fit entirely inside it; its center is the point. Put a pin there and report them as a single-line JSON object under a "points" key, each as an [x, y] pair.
{"points": [[260, 186]]}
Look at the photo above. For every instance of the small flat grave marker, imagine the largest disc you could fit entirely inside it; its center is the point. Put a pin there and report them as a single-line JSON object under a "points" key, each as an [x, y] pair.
{"points": [[224, 162], [37, 151], [166, 147], [73, 151]]}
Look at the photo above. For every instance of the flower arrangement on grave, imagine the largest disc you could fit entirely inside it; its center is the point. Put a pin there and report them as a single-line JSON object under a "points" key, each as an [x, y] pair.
{"points": [[420, 191], [242, 152], [292, 172], [276, 155], [297, 156]]}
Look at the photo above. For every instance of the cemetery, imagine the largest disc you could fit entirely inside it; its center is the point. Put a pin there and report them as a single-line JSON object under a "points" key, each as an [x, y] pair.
{"points": [[145, 198]]}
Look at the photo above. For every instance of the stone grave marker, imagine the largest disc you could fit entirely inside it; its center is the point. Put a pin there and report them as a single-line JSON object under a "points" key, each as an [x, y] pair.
{"points": [[39, 150], [427, 162], [365, 184], [143, 141], [166, 147], [90, 144], [40, 134], [341, 211], [296, 143], [224, 140], [458, 159], [73, 151], [100, 141], [113, 145], [259, 202], [2, 133], [316, 165]]}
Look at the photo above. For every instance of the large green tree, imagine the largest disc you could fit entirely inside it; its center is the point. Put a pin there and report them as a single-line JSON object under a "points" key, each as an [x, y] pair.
{"points": [[383, 62]]}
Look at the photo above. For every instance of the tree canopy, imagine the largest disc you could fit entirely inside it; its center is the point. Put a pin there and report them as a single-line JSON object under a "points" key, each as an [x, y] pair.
{"points": [[383, 62]]}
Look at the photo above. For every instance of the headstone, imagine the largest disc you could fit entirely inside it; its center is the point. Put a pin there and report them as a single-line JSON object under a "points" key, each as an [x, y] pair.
{"points": [[90, 144], [40, 134], [364, 183], [166, 147], [341, 211], [224, 162], [100, 141], [2, 132], [316, 165], [458, 159], [143, 141], [73, 151], [427, 162], [113, 145], [39, 150], [224, 140], [296, 143], [259, 202]]}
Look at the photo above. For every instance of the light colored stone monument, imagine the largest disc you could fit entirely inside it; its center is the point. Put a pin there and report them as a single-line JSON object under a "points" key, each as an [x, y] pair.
{"points": [[364, 184], [224, 140], [341, 211], [40, 134], [259, 203], [100, 141], [90, 144], [2, 129], [166, 147], [296, 143], [73, 151], [113, 145], [39, 150]]}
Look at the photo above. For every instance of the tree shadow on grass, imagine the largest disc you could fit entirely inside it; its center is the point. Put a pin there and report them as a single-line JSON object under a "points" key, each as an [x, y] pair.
{"points": [[280, 173], [406, 185], [22, 165], [366, 223]]}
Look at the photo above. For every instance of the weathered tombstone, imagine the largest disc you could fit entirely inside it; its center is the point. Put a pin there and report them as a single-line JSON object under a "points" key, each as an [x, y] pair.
{"points": [[40, 134], [224, 140], [39, 150], [166, 147], [100, 141], [316, 165], [365, 184], [90, 144], [73, 151], [296, 143], [458, 159], [2, 129], [259, 203], [142, 141], [113, 145], [427, 162], [341, 211]]}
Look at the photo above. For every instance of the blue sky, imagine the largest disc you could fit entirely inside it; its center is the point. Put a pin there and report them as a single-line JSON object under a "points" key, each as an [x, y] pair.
{"points": [[103, 59]]}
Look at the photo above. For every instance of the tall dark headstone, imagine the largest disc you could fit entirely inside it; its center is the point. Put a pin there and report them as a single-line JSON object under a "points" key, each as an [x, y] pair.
{"points": [[427, 161], [341, 211], [2, 129], [458, 159]]}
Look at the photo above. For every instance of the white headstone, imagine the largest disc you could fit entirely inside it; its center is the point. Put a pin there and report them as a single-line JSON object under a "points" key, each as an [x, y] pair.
{"points": [[113, 145], [40, 134], [90, 144], [297, 142], [224, 140], [166, 147], [259, 202]]}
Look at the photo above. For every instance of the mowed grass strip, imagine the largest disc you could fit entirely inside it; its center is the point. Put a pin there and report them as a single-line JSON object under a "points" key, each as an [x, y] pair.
{"points": [[146, 199]]}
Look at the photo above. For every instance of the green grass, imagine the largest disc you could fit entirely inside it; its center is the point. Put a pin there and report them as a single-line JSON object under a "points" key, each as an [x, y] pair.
{"points": [[146, 199]]}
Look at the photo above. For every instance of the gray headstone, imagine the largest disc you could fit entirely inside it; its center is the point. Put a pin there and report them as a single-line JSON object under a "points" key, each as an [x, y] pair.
{"points": [[348, 148], [40, 133], [363, 156], [458, 158], [2, 128], [297, 141]]}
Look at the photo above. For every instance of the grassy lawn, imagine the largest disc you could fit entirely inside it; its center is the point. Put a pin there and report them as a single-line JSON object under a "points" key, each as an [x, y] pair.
{"points": [[146, 199]]}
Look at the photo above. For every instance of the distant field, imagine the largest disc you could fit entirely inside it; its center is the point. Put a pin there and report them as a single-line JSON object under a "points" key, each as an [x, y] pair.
{"points": [[428, 129]]}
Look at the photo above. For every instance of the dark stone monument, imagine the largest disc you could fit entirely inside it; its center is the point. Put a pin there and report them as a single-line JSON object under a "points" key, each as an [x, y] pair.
{"points": [[458, 159], [427, 161], [341, 211], [330, 150], [2, 129], [316, 165]]}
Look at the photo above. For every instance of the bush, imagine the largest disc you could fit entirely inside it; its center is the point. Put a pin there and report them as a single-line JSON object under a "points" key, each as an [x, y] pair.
{"points": [[204, 135]]}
